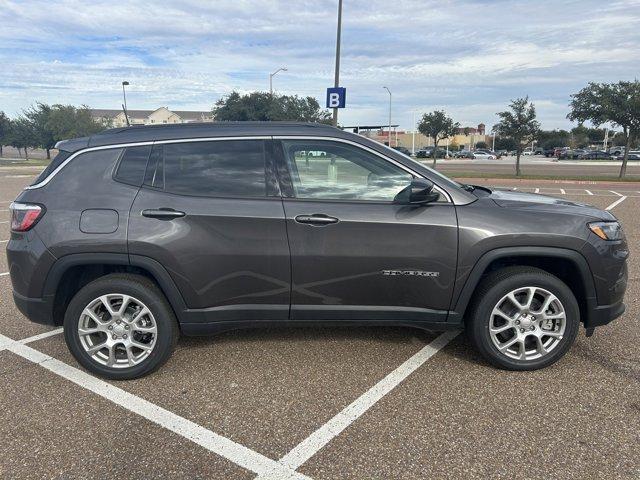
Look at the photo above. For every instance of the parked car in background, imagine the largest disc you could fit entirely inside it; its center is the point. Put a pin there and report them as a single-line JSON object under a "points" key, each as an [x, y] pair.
{"points": [[503, 153], [463, 154], [404, 150], [549, 152], [527, 152], [538, 151], [595, 155], [558, 150], [616, 150], [633, 155], [483, 155], [428, 153], [572, 154]]}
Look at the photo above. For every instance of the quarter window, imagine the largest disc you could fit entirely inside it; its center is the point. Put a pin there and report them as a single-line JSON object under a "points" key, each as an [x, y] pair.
{"points": [[331, 170], [133, 164], [234, 168]]}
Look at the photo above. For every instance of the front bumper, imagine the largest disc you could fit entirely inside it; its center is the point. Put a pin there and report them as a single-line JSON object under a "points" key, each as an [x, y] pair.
{"points": [[604, 314]]}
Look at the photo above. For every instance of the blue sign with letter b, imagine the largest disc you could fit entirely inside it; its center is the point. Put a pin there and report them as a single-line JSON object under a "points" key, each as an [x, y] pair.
{"points": [[336, 97]]}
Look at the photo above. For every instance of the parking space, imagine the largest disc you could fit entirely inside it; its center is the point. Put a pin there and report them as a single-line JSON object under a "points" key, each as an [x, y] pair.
{"points": [[326, 403]]}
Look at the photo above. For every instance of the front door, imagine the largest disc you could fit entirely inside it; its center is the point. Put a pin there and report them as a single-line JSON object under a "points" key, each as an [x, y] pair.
{"points": [[355, 255], [208, 212]]}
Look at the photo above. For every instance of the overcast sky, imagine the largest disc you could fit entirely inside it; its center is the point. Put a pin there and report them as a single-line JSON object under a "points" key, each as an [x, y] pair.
{"points": [[467, 57]]}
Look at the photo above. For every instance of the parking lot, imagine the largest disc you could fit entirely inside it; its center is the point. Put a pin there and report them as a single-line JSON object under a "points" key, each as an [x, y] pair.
{"points": [[326, 403]]}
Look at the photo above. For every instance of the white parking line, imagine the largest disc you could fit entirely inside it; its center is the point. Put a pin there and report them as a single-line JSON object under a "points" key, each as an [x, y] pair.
{"points": [[4, 241], [616, 193], [562, 191], [589, 192], [41, 336], [238, 454], [6, 221], [318, 439], [537, 190], [616, 203], [2, 274]]}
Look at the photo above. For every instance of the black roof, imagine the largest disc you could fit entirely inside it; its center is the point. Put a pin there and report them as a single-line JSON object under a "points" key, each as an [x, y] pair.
{"points": [[147, 133]]}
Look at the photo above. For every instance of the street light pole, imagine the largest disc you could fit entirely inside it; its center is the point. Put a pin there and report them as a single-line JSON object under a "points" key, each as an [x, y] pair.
{"points": [[336, 82], [413, 135], [389, 114], [124, 94], [271, 75]]}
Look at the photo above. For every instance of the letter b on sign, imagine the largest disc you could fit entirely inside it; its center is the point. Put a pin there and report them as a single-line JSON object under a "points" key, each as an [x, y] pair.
{"points": [[336, 97]]}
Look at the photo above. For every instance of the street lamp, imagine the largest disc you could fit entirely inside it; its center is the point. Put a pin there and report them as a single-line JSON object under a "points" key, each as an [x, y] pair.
{"points": [[271, 75], [389, 114], [124, 94]]}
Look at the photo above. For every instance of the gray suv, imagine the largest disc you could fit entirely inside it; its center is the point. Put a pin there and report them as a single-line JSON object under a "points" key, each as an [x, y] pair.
{"points": [[134, 236]]}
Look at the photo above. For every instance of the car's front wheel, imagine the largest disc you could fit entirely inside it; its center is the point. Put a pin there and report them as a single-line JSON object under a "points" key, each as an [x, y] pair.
{"points": [[120, 327], [523, 318]]}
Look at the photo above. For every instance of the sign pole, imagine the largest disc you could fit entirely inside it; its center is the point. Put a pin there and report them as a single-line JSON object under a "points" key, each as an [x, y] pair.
{"points": [[337, 72]]}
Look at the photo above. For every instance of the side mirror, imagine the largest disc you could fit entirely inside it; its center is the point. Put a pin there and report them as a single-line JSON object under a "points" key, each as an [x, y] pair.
{"points": [[418, 192]]}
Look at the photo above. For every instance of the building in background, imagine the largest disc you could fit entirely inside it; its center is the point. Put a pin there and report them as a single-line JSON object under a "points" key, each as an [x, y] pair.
{"points": [[151, 117], [466, 138]]}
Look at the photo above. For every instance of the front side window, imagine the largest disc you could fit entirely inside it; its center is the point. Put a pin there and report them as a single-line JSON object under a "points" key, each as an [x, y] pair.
{"points": [[224, 168], [337, 171]]}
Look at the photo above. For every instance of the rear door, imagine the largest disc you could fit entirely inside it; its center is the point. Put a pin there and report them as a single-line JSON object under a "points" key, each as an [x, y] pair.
{"points": [[356, 255], [210, 212]]}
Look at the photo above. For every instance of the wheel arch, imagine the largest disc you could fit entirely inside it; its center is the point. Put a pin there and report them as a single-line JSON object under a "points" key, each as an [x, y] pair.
{"points": [[568, 265], [71, 272]]}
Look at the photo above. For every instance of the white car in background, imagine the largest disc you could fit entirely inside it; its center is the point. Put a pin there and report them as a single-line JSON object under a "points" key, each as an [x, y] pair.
{"points": [[484, 156]]}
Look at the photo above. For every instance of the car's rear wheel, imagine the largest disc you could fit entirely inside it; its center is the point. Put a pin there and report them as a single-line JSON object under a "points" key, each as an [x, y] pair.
{"points": [[523, 318], [120, 327]]}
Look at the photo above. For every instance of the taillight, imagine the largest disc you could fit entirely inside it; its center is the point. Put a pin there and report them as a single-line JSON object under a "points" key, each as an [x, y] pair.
{"points": [[24, 216]]}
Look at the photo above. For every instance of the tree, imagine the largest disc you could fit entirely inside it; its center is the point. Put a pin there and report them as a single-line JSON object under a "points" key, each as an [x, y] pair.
{"points": [[22, 135], [39, 117], [262, 106], [519, 124], [614, 103], [439, 126], [549, 139], [504, 143], [482, 145], [4, 130], [67, 121]]}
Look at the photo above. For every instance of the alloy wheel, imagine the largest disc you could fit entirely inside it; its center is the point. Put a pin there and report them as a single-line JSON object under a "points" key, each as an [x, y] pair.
{"points": [[527, 323], [117, 330]]}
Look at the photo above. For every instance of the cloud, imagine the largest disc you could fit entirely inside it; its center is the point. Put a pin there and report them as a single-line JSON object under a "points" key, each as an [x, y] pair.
{"points": [[468, 57]]}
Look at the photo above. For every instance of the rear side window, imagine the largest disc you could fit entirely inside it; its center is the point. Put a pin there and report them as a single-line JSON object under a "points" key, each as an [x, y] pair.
{"points": [[55, 163], [224, 168], [133, 164]]}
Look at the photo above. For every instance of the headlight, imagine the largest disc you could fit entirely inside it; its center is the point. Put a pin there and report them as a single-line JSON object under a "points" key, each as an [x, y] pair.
{"points": [[607, 230]]}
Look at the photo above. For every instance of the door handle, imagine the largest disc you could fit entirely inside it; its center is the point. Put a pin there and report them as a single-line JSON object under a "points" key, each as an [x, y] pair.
{"points": [[163, 213], [317, 219]]}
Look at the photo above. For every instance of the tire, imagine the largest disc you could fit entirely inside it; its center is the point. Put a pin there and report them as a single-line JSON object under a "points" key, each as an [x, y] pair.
{"points": [[523, 326], [141, 339]]}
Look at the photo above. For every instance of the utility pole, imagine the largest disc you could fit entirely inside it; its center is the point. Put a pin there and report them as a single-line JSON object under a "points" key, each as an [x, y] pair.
{"points": [[336, 82], [124, 94], [389, 113], [271, 75], [413, 135]]}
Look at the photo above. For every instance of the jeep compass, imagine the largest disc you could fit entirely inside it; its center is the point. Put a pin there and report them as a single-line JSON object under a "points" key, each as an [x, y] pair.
{"points": [[134, 236]]}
